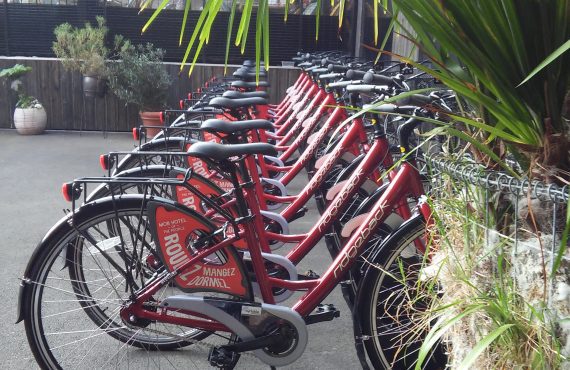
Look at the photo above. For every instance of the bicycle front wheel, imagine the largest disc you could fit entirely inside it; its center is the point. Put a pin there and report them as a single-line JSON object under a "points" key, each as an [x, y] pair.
{"points": [[394, 310]]}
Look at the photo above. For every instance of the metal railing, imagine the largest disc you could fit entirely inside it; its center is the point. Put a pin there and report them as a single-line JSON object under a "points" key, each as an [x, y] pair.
{"points": [[493, 182]]}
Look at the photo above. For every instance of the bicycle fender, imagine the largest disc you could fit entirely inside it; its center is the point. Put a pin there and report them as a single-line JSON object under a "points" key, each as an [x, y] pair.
{"points": [[60, 226], [346, 156], [369, 186], [348, 170], [378, 253], [332, 144], [367, 204], [394, 221]]}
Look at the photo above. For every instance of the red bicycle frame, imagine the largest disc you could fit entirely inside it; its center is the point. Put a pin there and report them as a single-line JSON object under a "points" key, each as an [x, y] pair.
{"points": [[406, 183]]}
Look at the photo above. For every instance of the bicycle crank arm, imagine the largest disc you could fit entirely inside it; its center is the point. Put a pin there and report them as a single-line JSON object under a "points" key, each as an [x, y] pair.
{"points": [[253, 323]]}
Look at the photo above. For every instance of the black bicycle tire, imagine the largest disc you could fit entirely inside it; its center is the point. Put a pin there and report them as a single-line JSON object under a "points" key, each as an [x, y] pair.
{"points": [[381, 349]]}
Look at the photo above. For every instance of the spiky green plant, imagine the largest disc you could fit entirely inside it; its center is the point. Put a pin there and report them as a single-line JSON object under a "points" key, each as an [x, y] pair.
{"points": [[203, 28], [484, 49]]}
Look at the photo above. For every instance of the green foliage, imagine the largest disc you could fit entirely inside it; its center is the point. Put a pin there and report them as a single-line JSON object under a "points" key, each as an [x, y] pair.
{"points": [[140, 77], [13, 74], [480, 308], [26, 101], [552, 57], [203, 28], [15, 71], [83, 49], [229, 34], [483, 49], [563, 242]]}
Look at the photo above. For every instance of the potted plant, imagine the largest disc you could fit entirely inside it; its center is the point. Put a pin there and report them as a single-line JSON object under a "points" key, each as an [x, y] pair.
{"points": [[140, 78], [84, 50], [30, 116]]}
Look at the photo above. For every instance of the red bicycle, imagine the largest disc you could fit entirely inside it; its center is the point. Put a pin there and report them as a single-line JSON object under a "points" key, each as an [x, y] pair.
{"points": [[135, 271]]}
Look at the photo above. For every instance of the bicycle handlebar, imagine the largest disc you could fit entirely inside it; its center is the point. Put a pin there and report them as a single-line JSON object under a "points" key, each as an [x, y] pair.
{"points": [[317, 71], [366, 88], [405, 130], [337, 68], [373, 78], [353, 74], [331, 76], [418, 99], [343, 84]]}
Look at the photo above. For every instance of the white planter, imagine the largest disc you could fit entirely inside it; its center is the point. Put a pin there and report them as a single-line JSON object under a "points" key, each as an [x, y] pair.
{"points": [[30, 121]]}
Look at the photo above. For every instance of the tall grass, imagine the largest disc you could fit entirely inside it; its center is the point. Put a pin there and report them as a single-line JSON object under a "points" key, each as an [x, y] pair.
{"points": [[487, 321]]}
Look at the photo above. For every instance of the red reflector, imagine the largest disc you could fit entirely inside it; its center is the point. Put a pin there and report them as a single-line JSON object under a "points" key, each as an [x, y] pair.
{"points": [[181, 104], [162, 117], [136, 134], [189, 96], [206, 84], [199, 89], [66, 191], [104, 161]]}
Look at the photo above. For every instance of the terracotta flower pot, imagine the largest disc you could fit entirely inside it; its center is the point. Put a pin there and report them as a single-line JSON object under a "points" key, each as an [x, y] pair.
{"points": [[151, 119], [30, 121]]}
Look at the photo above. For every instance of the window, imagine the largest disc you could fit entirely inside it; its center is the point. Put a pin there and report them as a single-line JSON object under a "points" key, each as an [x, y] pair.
{"points": [[305, 7], [44, 2], [172, 4]]}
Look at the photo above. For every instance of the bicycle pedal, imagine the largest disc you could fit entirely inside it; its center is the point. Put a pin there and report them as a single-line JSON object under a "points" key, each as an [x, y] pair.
{"points": [[300, 213], [291, 161], [309, 275], [323, 312], [222, 358]]}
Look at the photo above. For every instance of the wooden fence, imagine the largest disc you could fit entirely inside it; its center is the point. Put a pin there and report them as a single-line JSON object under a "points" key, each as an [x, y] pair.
{"points": [[61, 93]]}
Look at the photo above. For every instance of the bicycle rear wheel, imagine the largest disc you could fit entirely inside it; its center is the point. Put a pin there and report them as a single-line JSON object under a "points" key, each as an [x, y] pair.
{"points": [[79, 279]]}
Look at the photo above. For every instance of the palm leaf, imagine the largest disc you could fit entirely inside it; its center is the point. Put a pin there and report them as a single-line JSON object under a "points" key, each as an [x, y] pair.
{"points": [[184, 19], [197, 29], [375, 21], [158, 10], [229, 34], [557, 53], [286, 13], [500, 42], [318, 23]]}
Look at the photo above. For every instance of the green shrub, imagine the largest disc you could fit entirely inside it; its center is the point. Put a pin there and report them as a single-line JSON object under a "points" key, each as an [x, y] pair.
{"points": [[140, 77]]}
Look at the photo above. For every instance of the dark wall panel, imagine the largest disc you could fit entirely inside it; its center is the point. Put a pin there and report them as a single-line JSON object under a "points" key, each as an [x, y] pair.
{"points": [[31, 28], [368, 36], [3, 30]]}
